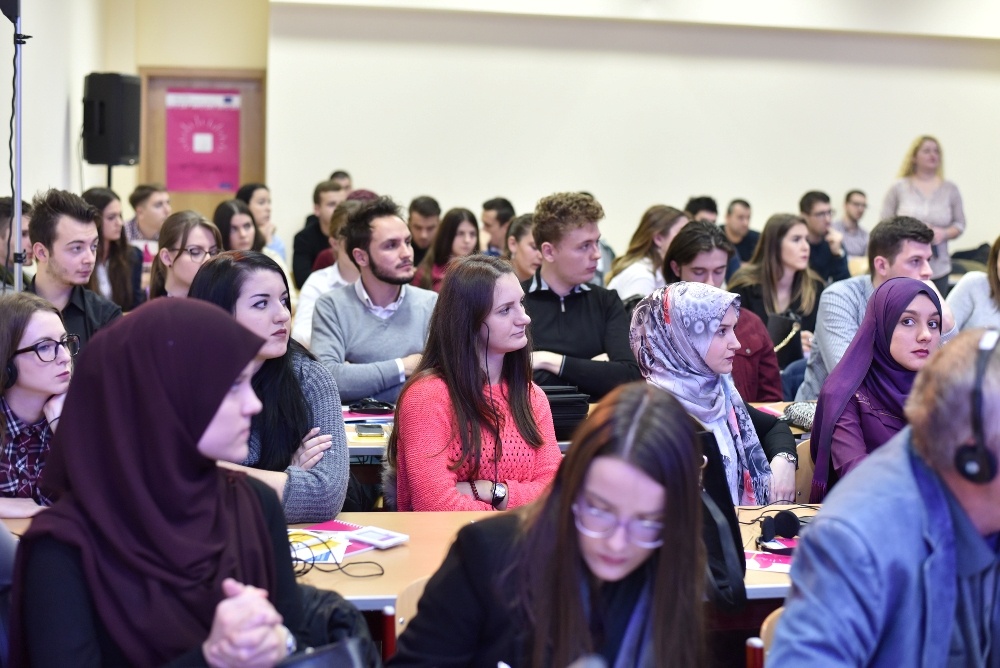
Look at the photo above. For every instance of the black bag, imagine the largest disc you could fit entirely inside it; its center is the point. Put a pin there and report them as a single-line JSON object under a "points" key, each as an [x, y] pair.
{"points": [[786, 334], [721, 532], [569, 408], [328, 618], [350, 653]]}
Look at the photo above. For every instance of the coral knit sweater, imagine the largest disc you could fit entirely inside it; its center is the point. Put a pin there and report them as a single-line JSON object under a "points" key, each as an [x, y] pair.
{"points": [[428, 444]]}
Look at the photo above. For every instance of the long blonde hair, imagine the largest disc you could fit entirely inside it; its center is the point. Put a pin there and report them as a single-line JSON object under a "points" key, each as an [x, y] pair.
{"points": [[658, 219], [908, 168]]}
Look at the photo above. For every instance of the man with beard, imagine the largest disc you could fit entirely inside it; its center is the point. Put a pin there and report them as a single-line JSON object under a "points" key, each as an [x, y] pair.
{"points": [[370, 333], [64, 240]]}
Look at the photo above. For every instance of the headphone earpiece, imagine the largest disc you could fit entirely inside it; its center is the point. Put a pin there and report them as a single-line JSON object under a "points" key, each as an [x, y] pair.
{"points": [[975, 462], [11, 375], [784, 523]]}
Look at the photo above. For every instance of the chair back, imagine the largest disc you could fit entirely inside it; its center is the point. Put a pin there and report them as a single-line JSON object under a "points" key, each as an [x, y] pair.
{"points": [[804, 475], [406, 603], [767, 628]]}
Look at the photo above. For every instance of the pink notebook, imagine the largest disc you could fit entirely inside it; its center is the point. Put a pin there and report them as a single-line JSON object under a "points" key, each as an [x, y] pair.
{"points": [[354, 547]]}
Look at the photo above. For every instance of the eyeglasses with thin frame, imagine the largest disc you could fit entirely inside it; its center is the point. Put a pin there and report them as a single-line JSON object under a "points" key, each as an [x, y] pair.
{"points": [[596, 523], [197, 253], [47, 350]]}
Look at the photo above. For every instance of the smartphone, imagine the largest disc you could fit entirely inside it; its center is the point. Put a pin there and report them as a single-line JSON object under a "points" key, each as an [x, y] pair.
{"points": [[370, 430]]}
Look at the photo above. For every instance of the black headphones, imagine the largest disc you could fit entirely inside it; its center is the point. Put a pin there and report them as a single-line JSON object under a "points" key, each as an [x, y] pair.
{"points": [[11, 375], [975, 462], [784, 523]]}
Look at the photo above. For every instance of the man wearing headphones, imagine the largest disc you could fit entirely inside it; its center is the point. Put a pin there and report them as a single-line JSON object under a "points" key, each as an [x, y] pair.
{"points": [[900, 567]]}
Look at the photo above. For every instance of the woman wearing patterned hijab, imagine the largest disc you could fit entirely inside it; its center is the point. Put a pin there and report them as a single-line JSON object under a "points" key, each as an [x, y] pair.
{"points": [[682, 337]]}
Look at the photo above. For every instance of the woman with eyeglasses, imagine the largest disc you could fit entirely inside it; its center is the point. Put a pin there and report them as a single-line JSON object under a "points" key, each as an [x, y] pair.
{"points": [[186, 241], [37, 362], [579, 573]]}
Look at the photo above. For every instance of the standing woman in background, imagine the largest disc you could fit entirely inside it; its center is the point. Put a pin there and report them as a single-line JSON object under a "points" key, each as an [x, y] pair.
{"points": [[457, 236], [118, 271], [521, 249], [297, 442], [186, 241], [777, 283], [593, 571], [638, 271], [473, 432], [257, 197], [922, 193]]}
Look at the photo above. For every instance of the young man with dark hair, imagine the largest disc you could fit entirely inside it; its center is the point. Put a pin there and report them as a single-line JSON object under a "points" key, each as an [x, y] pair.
{"points": [[826, 256], [497, 214], [579, 331], [371, 333], [64, 240], [151, 203], [343, 178], [737, 229], [424, 218], [702, 208], [899, 568], [897, 247], [7, 239], [313, 239], [855, 240]]}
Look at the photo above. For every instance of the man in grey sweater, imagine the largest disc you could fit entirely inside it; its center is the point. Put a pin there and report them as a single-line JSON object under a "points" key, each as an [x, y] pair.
{"points": [[371, 333], [897, 247]]}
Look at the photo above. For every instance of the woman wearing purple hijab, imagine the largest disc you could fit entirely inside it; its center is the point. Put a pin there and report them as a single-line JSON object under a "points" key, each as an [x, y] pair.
{"points": [[861, 404]]}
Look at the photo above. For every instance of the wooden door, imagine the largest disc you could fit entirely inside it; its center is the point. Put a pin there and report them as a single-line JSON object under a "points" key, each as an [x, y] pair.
{"points": [[152, 160]]}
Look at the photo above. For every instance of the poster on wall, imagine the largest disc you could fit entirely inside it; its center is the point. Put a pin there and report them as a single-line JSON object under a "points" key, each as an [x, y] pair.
{"points": [[203, 140]]}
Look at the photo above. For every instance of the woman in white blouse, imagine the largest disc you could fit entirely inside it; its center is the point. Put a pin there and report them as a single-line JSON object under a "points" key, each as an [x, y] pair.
{"points": [[639, 271]]}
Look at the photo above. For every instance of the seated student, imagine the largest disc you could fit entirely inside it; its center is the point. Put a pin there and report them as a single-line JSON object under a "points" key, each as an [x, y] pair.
{"points": [[738, 232], [312, 239], [975, 299], [64, 240], [297, 442], [424, 217], [497, 214], [257, 196], [340, 273], [778, 283], [37, 361], [826, 253], [640, 270], [580, 573], [457, 236], [7, 239], [861, 404], [471, 389], [186, 241], [521, 249], [119, 264], [683, 337], [152, 554], [370, 334], [700, 253], [897, 247], [899, 566], [151, 203], [580, 331]]}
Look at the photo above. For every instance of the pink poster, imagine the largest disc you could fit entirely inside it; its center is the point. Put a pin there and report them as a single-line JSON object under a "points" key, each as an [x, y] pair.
{"points": [[203, 140]]}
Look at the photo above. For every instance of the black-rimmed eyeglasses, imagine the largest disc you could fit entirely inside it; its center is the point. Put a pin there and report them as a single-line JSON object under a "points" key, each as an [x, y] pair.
{"points": [[48, 349], [197, 253]]}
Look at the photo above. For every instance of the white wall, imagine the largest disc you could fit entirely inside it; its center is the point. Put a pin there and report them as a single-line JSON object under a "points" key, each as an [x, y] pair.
{"points": [[65, 47], [466, 106]]}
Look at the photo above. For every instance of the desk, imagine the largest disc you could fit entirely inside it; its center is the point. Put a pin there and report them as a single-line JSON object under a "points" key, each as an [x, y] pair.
{"points": [[431, 534], [761, 584]]}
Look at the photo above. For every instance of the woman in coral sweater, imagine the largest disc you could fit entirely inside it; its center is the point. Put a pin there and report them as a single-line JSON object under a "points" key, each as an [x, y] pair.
{"points": [[472, 431]]}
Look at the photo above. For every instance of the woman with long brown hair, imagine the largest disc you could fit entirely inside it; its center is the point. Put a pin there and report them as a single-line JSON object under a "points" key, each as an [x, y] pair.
{"points": [[638, 270], [118, 271], [472, 431], [580, 573], [187, 239], [456, 236]]}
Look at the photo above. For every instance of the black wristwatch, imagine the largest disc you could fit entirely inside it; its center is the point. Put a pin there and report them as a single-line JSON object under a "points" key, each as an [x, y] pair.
{"points": [[499, 494]]}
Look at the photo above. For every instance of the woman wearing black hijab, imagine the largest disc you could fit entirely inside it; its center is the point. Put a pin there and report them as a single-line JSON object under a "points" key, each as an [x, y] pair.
{"points": [[152, 554]]}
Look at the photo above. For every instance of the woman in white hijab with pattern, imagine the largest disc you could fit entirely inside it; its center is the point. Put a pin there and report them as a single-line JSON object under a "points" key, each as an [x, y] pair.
{"points": [[682, 337]]}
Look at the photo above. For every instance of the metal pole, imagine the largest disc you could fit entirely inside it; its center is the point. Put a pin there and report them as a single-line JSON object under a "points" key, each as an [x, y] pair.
{"points": [[16, 223]]}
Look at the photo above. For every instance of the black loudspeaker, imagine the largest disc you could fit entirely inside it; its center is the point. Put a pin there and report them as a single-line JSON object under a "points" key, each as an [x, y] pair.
{"points": [[976, 463], [111, 119]]}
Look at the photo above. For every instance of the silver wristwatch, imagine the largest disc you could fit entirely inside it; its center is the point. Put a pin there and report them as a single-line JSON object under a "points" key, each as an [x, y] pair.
{"points": [[789, 457]]}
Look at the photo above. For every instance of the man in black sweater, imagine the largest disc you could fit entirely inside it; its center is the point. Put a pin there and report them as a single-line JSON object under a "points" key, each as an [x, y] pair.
{"points": [[579, 331], [826, 256]]}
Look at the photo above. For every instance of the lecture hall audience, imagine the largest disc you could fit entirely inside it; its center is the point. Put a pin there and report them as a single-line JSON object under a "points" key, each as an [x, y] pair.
{"points": [[588, 572], [861, 405], [473, 432], [683, 337]]}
